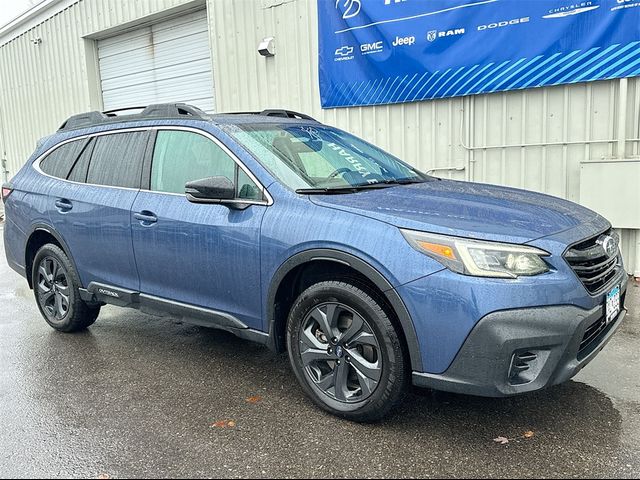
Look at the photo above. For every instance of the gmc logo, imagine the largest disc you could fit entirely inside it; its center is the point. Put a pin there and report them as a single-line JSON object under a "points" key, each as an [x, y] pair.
{"points": [[372, 47]]}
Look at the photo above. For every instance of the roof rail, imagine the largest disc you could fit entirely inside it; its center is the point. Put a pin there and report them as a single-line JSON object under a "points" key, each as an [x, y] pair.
{"points": [[276, 113], [286, 114], [83, 120], [161, 110]]}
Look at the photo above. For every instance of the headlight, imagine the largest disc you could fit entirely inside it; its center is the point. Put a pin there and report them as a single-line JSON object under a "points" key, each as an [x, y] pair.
{"points": [[479, 258]]}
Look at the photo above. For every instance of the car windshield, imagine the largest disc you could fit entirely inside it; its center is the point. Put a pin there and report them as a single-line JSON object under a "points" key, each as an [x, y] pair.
{"points": [[315, 159]]}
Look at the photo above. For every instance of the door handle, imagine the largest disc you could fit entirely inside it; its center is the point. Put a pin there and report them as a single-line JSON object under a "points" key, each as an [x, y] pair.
{"points": [[146, 218], [63, 205]]}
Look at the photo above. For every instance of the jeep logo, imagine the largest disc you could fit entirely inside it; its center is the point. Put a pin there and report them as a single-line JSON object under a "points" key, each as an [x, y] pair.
{"points": [[403, 41]]}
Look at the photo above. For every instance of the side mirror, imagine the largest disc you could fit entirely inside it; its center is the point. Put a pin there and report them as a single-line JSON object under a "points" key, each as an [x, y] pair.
{"points": [[210, 190]]}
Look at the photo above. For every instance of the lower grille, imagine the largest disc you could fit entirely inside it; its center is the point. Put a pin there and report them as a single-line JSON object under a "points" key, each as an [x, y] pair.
{"points": [[595, 332], [592, 333], [591, 263]]}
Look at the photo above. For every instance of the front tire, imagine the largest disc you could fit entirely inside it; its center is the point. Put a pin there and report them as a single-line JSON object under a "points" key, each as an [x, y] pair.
{"points": [[56, 287], [345, 351]]}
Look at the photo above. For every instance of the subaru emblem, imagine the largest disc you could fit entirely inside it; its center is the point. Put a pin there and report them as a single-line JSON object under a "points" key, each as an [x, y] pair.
{"points": [[609, 244]]}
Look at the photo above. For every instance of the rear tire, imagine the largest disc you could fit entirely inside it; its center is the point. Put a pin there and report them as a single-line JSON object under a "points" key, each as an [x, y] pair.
{"points": [[345, 351], [56, 287]]}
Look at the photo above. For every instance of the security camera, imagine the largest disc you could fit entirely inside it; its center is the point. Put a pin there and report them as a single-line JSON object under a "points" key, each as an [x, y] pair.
{"points": [[267, 47]]}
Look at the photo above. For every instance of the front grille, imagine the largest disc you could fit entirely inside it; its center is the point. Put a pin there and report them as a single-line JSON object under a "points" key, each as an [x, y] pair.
{"points": [[592, 265]]}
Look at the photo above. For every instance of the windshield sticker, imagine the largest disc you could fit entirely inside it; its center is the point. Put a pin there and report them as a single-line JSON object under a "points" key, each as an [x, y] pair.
{"points": [[361, 169]]}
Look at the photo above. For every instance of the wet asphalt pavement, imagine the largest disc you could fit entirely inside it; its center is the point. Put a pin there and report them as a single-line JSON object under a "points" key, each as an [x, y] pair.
{"points": [[139, 396]]}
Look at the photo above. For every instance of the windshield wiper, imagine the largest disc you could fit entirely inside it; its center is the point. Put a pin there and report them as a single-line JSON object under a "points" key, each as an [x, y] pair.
{"points": [[403, 181], [339, 190], [357, 188]]}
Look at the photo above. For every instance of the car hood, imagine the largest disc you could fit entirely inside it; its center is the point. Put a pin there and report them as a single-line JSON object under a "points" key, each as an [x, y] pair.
{"points": [[465, 209]]}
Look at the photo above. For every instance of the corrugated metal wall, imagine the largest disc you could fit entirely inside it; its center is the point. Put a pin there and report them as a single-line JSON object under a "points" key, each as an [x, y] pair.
{"points": [[41, 85], [533, 139]]}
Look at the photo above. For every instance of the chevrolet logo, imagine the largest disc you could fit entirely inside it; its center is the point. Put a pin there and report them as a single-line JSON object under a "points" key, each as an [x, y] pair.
{"points": [[344, 51]]}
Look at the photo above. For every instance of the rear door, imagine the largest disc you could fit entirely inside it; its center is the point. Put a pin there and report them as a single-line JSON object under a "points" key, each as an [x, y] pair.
{"points": [[91, 210], [203, 255]]}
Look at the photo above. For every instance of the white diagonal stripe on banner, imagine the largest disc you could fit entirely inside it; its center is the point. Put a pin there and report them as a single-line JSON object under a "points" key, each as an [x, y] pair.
{"points": [[497, 77], [617, 64], [356, 95], [405, 88], [569, 65], [626, 67], [476, 75], [586, 64], [381, 90], [462, 77], [490, 74], [424, 85], [606, 60], [426, 94], [534, 59], [368, 94], [416, 85], [447, 82], [533, 70], [551, 67], [386, 90]]}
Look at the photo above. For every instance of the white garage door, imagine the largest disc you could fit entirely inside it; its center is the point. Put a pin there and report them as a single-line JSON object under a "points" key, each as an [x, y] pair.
{"points": [[165, 63]]}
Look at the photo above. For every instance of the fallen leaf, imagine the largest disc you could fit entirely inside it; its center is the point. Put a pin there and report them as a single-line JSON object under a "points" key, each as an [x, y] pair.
{"points": [[224, 424], [254, 400], [103, 476], [528, 434], [501, 440]]}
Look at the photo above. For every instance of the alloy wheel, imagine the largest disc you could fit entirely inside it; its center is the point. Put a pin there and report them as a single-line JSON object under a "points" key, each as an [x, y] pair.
{"points": [[53, 288], [340, 352]]}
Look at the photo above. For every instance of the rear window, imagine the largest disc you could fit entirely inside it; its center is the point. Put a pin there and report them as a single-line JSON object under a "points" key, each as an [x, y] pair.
{"points": [[59, 162], [117, 160]]}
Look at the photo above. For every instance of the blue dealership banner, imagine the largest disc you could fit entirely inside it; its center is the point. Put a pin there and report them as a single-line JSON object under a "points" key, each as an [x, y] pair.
{"points": [[375, 52]]}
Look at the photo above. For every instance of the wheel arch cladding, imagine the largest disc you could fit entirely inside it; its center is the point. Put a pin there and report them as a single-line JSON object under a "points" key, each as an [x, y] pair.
{"points": [[39, 236], [322, 264]]}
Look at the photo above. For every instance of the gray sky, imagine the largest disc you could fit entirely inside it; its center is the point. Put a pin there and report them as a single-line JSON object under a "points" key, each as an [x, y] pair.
{"points": [[11, 9]]}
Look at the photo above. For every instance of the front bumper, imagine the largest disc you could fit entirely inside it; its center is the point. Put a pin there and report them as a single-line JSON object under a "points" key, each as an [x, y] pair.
{"points": [[517, 351]]}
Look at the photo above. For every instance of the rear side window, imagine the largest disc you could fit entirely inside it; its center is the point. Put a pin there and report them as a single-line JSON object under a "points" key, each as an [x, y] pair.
{"points": [[79, 171], [59, 162], [117, 160]]}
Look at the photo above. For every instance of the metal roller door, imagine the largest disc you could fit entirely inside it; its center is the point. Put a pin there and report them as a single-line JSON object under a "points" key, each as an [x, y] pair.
{"points": [[165, 62]]}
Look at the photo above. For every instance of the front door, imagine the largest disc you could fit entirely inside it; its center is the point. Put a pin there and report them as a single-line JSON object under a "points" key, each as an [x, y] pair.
{"points": [[203, 255]]}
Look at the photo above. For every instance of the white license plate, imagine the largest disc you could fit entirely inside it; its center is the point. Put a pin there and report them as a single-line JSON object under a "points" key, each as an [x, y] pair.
{"points": [[613, 304]]}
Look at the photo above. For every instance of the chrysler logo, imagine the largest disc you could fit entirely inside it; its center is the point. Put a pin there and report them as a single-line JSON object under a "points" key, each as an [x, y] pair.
{"points": [[609, 244]]}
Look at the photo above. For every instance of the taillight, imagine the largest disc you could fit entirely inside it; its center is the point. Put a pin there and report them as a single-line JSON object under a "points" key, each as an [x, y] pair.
{"points": [[6, 191]]}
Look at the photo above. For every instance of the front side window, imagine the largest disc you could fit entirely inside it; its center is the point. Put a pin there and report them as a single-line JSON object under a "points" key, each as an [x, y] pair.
{"points": [[317, 157], [181, 157], [117, 160]]}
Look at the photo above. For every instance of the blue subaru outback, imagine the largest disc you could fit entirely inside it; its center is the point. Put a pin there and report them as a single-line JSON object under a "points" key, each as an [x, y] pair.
{"points": [[307, 239]]}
